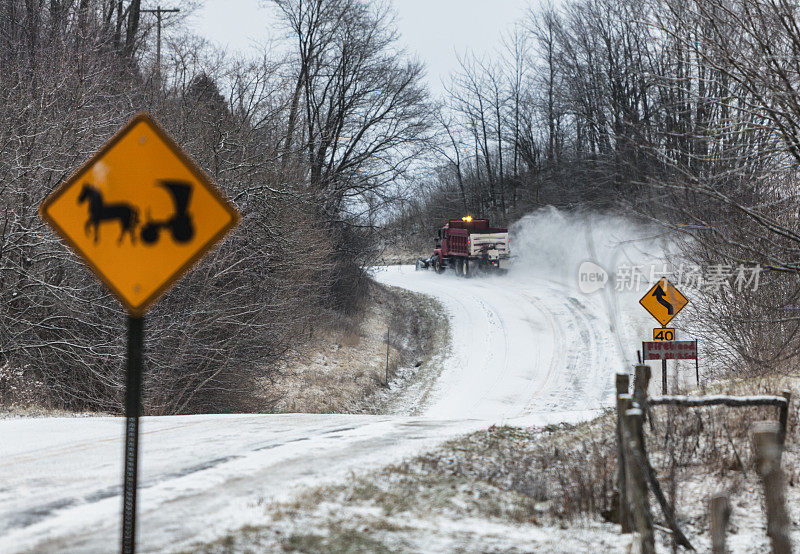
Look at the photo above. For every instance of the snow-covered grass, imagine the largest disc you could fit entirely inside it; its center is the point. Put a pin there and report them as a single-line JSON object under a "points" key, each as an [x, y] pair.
{"points": [[400, 255], [482, 492], [699, 451], [343, 368], [550, 489]]}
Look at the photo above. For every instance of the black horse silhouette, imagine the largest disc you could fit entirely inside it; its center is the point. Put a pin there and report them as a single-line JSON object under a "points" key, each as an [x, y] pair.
{"points": [[127, 215]]}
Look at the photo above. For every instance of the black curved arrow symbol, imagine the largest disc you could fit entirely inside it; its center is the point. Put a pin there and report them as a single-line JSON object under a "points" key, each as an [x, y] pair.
{"points": [[660, 294]]}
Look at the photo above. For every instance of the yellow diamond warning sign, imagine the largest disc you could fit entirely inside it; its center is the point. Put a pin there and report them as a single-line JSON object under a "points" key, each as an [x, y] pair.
{"points": [[663, 301], [140, 213]]}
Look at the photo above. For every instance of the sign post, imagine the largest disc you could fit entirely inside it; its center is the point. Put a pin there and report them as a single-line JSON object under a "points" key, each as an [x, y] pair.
{"points": [[140, 213], [133, 410], [387, 356], [663, 301]]}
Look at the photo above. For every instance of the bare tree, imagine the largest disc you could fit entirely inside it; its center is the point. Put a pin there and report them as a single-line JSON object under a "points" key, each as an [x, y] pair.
{"points": [[214, 339]]}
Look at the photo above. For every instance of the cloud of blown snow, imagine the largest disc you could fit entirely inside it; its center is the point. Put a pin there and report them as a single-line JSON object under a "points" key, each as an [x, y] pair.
{"points": [[586, 251], [606, 262]]}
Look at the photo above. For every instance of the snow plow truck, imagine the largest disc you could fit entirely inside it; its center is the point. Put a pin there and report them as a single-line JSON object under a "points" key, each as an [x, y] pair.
{"points": [[466, 245]]}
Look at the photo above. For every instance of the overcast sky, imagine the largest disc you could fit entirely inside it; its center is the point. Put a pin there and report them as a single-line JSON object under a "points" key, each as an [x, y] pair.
{"points": [[434, 30]]}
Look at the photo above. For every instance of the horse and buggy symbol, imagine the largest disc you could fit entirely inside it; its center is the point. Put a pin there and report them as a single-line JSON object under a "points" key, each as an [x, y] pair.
{"points": [[179, 224]]}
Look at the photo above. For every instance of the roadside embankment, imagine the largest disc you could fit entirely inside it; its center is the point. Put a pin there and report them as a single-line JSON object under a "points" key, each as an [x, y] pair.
{"points": [[343, 367]]}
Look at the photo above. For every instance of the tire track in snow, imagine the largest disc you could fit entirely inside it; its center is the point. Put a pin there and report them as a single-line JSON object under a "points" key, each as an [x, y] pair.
{"points": [[505, 357], [558, 346]]}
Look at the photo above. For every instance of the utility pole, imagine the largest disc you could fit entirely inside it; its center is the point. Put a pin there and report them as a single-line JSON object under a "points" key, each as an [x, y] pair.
{"points": [[159, 11]]}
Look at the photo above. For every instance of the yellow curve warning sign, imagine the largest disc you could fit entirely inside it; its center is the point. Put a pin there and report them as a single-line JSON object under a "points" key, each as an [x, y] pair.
{"points": [[140, 212], [663, 301]]}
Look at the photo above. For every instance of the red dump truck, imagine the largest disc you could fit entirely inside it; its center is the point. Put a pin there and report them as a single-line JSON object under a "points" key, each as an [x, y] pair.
{"points": [[466, 245]]}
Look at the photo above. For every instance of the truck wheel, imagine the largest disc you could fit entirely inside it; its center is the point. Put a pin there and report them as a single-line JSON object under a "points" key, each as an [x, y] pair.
{"points": [[465, 268], [459, 267], [437, 265]]}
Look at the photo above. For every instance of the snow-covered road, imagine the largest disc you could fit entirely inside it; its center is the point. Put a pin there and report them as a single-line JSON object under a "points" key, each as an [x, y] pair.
{"points": [[200, 476], [520, 346], [525, 349]]}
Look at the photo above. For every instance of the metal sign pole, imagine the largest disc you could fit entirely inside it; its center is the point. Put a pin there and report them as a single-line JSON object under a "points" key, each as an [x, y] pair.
{"points": [[697, 364], [133, 409], [664, 376]]}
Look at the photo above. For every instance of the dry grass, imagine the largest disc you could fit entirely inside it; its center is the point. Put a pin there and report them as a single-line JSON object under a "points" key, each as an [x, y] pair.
{"points": [[396, 255], [704, 450], [559, 471], [344, 366], [717, 439]]}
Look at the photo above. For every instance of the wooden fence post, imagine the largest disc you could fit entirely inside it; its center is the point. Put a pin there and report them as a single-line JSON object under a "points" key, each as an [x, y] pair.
{"points": [[767, 453], [623, 515], [625, 403], [637, 480], [783, 417], [720, 514], [641, 383]]}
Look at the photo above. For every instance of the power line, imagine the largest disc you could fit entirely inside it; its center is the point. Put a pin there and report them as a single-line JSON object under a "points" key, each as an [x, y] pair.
{"points": [[159, 11]]}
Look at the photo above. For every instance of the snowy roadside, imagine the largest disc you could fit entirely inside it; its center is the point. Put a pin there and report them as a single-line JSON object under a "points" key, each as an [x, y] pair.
{"points": [[477, 493], [521, 489], [13, 412], [495, 350], [343, 369]]}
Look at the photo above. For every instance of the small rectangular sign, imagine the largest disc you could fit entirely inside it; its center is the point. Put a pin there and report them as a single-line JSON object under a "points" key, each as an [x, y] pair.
{"points": [[670, 350], [664, 333]]}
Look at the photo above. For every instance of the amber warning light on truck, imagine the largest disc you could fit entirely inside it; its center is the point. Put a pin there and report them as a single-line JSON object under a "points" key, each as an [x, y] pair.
{"points": [[467, 218]]}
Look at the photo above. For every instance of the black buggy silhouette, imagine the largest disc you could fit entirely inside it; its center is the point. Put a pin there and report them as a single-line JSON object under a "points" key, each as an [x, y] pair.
{"points": [[180, 224]]}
